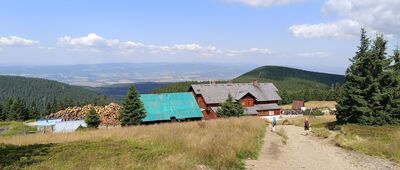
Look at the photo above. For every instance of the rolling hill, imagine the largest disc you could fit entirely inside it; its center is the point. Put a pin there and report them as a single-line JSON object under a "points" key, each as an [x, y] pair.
{"points": [[43, 91], [294, 84], [291, 78]]}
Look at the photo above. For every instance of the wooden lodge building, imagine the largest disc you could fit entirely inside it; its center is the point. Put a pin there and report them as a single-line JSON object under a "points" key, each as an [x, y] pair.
{"points": [[256, 98]]}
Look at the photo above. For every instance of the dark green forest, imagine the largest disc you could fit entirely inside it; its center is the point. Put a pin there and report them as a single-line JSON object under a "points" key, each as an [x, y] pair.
{"points": [[23, 98], [293, 84]]}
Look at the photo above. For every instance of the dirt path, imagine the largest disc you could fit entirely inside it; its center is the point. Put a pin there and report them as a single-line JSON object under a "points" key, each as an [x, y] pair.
{"points": [[308, 152]]}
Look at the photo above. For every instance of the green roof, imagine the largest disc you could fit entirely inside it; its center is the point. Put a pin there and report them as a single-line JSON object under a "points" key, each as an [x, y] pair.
{"points": [[164, 106]]}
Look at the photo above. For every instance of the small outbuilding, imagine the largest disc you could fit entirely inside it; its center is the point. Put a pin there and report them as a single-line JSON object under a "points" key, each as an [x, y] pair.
{"points": [[170, 107], [297, 104]]}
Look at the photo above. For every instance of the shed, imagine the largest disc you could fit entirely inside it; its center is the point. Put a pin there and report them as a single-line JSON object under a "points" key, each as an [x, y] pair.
{"points": [[170, 106], [297, 104]]}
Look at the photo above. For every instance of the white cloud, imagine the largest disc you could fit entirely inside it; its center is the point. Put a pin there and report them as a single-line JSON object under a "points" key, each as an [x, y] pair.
{"points": [[339, 29], [91, 40], [96, 43], [317, 54], [374, 15], [263, 3], [16, 41]]}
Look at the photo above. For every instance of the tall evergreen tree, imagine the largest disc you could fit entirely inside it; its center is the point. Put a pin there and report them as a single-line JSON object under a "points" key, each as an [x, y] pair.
{"points": [[370, 94], [351, 103], [33, 111], [395, 102], [229, 108], [2, 115], [132, 111]]}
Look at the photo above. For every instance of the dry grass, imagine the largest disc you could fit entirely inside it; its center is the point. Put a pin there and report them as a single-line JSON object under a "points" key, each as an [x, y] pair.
{"points": [[219, 144], [379, 141], [315, 121], [281, 132], [314, 104]]}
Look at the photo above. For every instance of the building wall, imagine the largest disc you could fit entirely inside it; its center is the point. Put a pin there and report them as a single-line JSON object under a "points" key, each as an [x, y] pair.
{"points": [[267, 102], [247, 101], [269, 112]]}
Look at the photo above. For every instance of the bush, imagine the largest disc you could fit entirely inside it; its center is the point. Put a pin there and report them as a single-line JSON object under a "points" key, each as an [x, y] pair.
{"points": [[313, 112], [92, 119]]}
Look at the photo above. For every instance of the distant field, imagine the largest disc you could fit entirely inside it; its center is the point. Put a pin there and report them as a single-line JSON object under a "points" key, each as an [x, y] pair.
{"points": [[216, 144], [314, 104]]}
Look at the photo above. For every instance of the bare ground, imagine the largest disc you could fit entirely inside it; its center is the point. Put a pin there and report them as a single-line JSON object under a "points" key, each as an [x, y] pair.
{"points": [[308, 152]]}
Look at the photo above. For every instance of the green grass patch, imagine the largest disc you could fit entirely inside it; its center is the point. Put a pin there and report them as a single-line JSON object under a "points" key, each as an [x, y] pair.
{"points": [[381, 141], [321, 132], [15, 128]]}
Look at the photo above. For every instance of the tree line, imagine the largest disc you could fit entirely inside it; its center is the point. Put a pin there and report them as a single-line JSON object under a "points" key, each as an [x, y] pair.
{"points": [[19, 110], [371, 92]]}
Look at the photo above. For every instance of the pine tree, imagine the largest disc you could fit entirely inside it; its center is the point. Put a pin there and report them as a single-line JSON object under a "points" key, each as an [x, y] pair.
{"points": [[92, 119], [395, 101], [351, 103], [33, 111], [132, 111], [2, 115], [229, 108]]}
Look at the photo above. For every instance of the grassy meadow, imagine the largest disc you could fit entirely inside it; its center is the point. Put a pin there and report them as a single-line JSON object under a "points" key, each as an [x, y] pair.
{"points": [[314, 104], [381, 141], [216, 144], [14, 128]]}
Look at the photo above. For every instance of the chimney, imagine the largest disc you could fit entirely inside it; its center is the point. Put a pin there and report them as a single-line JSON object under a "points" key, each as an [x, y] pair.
{"points": [[254, 83]]}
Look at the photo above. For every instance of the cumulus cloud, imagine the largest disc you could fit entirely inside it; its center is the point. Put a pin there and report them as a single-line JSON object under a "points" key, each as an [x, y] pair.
{"points": [[91, 40], [263, 3], [374, 15], [16, 41], [97, 43]]}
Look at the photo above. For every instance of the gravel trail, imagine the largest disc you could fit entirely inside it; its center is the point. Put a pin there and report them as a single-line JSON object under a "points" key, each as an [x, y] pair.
{"points": [[308, 152]]}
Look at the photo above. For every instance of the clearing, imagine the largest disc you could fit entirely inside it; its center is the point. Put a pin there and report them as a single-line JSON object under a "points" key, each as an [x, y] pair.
{"points": [[308, 152]]}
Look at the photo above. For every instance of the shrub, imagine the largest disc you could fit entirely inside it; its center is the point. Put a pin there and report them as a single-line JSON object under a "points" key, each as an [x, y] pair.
{"points": [[313, 112], [92, 119]]}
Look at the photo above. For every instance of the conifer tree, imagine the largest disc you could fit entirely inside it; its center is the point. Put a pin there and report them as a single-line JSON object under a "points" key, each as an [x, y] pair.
{"points": [[351, 103], [33, 111], [132, 111], [229, 108], [92, 119], [2, 115], [395, 102]]}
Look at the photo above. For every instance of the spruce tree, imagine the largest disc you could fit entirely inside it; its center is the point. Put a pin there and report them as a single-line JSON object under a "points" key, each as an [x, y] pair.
{"points": [[229, 108], [351, 104], [132, 111], [395, 101], [92, 119], [33, 111], [2, 115]]}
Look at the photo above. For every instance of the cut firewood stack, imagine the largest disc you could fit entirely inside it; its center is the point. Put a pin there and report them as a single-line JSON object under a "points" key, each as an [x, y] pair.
{"points": [[108, 114]]}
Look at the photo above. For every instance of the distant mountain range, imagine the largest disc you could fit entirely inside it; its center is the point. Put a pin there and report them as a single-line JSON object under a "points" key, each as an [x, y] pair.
{"points": [[96, 75]]}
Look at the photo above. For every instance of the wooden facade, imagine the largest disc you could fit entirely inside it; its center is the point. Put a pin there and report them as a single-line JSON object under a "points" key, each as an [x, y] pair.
{"points": [[247, 100]]}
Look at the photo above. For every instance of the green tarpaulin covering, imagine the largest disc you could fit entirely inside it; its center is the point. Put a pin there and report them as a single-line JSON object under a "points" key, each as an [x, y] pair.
{"points": [[164, 106]]}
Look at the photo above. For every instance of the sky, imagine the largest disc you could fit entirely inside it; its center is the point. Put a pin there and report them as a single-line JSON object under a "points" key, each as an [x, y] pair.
{"points": [[319, 35]]}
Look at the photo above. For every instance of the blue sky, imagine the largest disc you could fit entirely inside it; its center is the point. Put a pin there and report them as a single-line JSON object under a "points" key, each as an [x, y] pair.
{"points": [[311, 34]]}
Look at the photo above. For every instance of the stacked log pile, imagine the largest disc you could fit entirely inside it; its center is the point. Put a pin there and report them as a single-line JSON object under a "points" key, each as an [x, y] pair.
{"points": [[108, 114]]}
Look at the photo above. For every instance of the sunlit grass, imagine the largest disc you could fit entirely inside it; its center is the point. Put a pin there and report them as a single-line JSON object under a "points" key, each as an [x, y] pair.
{"points": [[218, 144]]}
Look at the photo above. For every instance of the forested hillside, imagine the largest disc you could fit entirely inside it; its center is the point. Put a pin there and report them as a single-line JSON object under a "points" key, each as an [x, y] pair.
{"points": [[20, 95], [118, 91], [293, 84]]}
